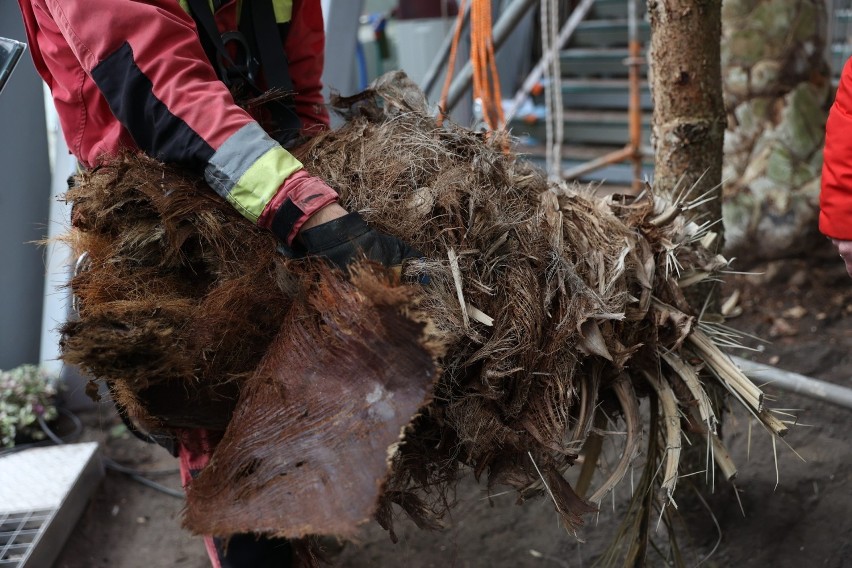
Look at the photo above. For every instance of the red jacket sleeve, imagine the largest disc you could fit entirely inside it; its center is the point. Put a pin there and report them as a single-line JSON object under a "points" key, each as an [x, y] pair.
{"points": [[147, 60], [835, 218], [150, 69], [305, 49]]}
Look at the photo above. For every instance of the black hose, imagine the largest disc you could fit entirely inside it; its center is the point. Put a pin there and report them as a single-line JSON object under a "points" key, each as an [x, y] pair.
{"points": [[52, 437], [134, 474]]}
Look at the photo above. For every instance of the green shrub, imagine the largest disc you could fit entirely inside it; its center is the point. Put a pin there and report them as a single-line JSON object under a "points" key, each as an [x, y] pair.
{"points": [[26, 392]]}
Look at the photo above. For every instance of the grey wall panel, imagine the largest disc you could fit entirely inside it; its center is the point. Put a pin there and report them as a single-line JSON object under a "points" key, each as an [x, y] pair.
{"points": [[24, 203]]}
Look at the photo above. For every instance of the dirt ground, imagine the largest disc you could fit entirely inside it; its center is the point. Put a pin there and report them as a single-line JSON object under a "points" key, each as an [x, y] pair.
{"points": [[801, 518]]}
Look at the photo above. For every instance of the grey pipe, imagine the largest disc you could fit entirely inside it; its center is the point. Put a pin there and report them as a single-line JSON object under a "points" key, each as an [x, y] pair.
{"points": [[504, 26], [796, 383], [25, 205]]}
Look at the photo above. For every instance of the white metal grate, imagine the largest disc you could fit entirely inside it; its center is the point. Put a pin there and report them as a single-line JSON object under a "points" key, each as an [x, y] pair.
{"points": [[43, 491], [18, 534]]}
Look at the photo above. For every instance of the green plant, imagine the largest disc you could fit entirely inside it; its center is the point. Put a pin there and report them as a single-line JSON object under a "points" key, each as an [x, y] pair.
{"points": [[26, 393]]}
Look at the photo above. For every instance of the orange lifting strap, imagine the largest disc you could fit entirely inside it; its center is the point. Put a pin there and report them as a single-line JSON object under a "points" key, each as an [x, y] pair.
{"points": [[486, 81]]}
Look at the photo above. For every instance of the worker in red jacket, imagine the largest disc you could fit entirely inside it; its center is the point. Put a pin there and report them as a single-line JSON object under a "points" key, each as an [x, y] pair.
{"points": [[161, 76], [835, 218]]}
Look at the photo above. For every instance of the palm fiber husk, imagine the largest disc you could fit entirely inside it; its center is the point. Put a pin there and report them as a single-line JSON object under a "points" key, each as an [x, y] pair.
{"points": [[549, 311], [320, 371]]}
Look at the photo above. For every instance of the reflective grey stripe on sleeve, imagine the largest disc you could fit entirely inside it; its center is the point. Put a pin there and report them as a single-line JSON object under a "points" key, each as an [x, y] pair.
{"points": [[233, 158], [249, 169]]}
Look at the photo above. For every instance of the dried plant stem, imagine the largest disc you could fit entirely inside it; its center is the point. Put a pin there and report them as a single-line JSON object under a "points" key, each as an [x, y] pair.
{"points": [[690, 378], [723, 458], [630, 407], [591, 454], [457, 278], [729, 374], [544, 482], [671, 422], [693, 277], [667, 216], [736, 381], [633, 532], [476, 314], [774, 424], [720, 454], [588, 397]]}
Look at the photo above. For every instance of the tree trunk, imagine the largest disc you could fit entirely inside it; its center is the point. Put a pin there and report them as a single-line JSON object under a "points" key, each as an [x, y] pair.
{"points": [[689, 115]]}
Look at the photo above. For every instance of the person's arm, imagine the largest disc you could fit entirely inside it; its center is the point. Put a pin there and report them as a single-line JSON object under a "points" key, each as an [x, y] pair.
{"points": [[147, 61], [835, 218], [148, 64]]}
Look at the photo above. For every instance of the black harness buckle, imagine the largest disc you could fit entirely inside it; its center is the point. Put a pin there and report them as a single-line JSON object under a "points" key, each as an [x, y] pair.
{"points": [[243, 66]]}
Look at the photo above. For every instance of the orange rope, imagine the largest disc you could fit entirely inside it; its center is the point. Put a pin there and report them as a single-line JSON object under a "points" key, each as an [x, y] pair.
{"points": [[486, 81], [451, 65]]}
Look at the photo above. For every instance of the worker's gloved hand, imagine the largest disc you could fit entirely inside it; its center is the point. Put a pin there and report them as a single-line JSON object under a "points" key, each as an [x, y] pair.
{"points": [[845, 250], [349, 238]]}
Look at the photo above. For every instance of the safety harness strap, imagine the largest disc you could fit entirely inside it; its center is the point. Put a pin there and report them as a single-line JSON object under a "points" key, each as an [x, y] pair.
{"points": [[261, 41], [215, 49], [257, 21]]}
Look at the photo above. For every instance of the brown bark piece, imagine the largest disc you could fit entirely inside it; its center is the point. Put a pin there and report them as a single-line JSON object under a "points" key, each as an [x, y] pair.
{"points": [[308, 448]]}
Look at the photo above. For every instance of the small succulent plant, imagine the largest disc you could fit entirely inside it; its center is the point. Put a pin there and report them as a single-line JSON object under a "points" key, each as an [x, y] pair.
{"points": [[26, 393]]}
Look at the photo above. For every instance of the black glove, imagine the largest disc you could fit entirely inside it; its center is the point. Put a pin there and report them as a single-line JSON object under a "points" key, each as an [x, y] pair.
{"points": [[349, 238]]}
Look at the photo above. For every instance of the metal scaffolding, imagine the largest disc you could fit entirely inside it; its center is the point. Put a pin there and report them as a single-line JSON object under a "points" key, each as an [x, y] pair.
{"points": [[634, 151]]}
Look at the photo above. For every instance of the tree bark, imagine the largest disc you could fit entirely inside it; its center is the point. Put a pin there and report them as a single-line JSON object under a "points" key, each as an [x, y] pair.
{"points": [[689, 114]]}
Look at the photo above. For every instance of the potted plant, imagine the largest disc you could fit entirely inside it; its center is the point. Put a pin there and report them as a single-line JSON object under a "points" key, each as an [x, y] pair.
{"points": [[27, 393]]}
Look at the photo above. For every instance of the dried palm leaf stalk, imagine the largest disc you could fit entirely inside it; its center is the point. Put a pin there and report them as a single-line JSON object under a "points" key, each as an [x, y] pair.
{"points": [[548, 314]]}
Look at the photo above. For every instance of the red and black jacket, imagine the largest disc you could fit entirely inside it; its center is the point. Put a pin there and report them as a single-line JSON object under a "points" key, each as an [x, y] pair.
{"points": [[133, 74]]}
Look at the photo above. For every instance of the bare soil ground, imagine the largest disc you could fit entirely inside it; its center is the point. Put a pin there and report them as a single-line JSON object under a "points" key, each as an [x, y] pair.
{"points": [[799, 517]]}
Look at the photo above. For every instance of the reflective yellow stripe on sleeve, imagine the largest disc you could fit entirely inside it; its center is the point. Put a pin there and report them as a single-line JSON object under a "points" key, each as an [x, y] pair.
{"points": [[262, 181], [248, 170]]}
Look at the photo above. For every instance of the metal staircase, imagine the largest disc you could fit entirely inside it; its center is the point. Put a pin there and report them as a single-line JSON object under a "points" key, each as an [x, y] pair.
{"points": [[595, 92]]}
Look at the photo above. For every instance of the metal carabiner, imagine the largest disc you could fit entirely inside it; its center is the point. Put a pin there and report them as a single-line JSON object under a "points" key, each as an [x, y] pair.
{"points": [[230, 69], [82, 265]]}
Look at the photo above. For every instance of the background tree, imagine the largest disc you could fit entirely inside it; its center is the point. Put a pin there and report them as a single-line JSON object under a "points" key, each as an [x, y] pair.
{"points": [[686, 84]]}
